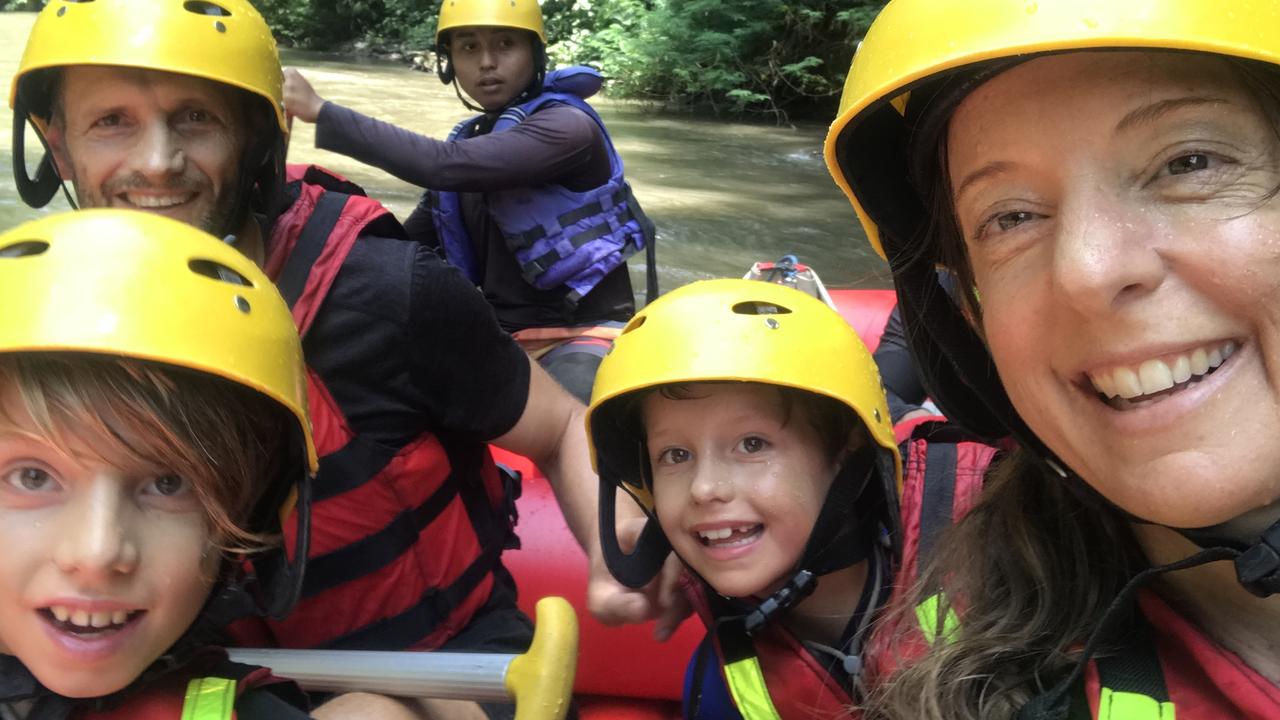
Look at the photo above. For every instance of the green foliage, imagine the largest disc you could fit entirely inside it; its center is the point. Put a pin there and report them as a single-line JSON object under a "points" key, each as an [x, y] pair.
{"points": [[768, 56], [328, 24]]}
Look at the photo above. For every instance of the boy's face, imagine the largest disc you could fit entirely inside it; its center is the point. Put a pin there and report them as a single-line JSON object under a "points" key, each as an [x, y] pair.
{"points": [[105, 566], [737, 485], [492, 64]]}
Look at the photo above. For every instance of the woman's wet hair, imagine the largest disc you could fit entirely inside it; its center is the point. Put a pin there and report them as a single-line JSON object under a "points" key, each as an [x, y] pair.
{"points": [[226, 440], [1032, 568]]}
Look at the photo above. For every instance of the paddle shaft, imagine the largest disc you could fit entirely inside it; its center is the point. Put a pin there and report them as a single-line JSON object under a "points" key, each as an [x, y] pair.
{"points": [[457, 676]]}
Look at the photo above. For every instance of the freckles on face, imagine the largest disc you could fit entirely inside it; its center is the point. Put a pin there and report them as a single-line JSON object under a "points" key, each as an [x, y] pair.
{"points": [[737, 485], [1119, 215], [116, 562]]}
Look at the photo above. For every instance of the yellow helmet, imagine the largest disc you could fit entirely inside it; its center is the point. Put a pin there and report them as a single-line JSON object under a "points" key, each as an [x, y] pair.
{"points": [[915, 43], [226, 41], [139, 285], [522, 14], [726, 330]]}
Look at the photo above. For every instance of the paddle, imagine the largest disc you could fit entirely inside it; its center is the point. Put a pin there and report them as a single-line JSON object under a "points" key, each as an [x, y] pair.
{"points": [[539, 682]]}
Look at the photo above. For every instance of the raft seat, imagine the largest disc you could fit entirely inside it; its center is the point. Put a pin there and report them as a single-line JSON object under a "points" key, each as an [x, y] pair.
{"points": [[623, 673]]}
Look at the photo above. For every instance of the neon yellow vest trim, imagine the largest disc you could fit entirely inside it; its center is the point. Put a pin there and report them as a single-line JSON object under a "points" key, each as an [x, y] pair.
{"points": [[210, 698], [927, 616], [1115, 705], [746, 684]]}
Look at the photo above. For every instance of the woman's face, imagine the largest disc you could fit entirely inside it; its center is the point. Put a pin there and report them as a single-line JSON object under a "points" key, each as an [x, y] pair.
{"points": [[1119, 212]]}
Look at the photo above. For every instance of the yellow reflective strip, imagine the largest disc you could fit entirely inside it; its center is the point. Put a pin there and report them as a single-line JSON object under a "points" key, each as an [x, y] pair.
{"points": [[927, 616], [1114, 705], [746, 684], [210, 698]]}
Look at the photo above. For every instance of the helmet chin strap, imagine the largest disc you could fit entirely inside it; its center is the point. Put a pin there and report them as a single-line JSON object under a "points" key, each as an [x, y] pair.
{"points": [[1257, 562], [840, 538]]}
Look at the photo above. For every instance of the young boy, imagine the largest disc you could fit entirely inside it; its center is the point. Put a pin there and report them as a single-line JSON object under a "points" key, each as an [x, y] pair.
{"points": [[153, 431], [748, 421]]}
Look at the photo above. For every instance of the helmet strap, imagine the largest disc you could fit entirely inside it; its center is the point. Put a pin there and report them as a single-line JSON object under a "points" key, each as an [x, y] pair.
{"points": [[637, 568], [35, 191], [1257, 564]]}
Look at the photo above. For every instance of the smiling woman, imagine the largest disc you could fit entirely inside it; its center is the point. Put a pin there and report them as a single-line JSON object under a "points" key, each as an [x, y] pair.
{"points": [[1103, 182]]}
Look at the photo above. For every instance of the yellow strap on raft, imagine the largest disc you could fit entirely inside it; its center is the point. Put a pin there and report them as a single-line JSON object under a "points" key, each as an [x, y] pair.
{"points": [[746, 684], [209, 698]]}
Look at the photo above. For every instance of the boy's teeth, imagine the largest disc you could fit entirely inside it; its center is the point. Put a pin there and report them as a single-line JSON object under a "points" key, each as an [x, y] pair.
{"points": [[1158, 375], [85, 619], [723, 533]]}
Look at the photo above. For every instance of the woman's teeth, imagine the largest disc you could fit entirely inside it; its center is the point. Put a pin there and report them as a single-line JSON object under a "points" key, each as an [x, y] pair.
{"points": [[1157, 375]]}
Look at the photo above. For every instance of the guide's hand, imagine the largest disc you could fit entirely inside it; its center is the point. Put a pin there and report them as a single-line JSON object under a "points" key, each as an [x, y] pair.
{"points": [[612, 603], [300, 99]]}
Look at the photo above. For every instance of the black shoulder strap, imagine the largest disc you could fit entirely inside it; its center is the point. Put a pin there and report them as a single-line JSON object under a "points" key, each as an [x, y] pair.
{"points": [[315, 233], [1136, 668], [937, 497]]}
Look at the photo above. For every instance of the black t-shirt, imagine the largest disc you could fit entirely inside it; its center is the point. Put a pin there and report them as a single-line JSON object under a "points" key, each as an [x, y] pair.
{"points": [[406, 344]]}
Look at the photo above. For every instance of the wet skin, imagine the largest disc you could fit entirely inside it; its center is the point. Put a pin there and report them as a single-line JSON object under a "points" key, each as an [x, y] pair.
{"points": [[1118, 210]]}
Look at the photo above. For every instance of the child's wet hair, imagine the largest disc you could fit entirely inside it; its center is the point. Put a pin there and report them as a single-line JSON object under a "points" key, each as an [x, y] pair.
{"points": [[225, 439], [832, 420]]}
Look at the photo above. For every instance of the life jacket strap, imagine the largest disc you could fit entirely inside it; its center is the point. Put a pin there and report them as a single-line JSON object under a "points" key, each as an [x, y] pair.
{"points": [[209, 698]]}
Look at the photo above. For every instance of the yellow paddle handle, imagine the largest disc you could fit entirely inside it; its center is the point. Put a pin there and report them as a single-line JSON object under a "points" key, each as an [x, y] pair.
{"points": [[541, 680]]}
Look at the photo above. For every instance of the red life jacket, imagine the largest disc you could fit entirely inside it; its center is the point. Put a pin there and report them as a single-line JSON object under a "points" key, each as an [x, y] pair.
{"points": [[1171, 667], [798, 686], [403, 542], [943, 468]]}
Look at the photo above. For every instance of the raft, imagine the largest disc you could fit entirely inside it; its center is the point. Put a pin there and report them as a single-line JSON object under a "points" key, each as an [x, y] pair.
{"points": [[623, 673]]}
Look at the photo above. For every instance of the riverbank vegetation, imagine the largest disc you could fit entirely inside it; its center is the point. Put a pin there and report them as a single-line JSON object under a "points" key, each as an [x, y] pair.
{"points": [[784, 60]]}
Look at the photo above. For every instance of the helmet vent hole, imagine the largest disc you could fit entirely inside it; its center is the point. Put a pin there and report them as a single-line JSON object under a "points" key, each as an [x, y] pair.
{"points": [[201, 7], [635, 323], [24, 248], [218, 271], [760, 308]]}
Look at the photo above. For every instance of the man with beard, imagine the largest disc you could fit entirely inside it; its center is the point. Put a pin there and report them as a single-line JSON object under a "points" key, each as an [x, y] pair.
{"points": [[175, 108]]}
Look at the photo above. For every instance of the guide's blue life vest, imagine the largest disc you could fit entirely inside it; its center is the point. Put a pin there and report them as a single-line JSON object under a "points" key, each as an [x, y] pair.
{"points": [[558, 236]]}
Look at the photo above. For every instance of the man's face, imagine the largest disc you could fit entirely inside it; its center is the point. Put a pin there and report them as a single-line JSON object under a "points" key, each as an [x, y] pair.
{"points": [[150, 140]]}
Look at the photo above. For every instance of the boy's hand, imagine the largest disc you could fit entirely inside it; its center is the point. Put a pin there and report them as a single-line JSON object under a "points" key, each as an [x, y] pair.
{"points": [[613, 603], [300, 99]]}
